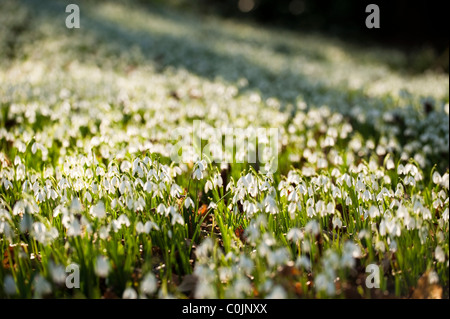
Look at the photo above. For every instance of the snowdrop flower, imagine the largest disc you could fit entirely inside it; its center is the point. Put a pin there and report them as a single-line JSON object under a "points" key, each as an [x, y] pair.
{"points": [[392, 245], [42, 235], [175, 190], [278, 257], [198, 172], [161, 209], [102, 267], [250, 208], [439, 254], [58, 273], [177, 218], [205, 248], [241, 287], [445, 215], [304, 262], [9, 285], [104, 232], [246, 264], [445, 181], [188, 202], [171, 210], [337, 222], [140, 227], [129, 293], [294, 235], [123, 220], [88, 196], [312, 227], [125, 166], [437, 179], [271, 206], [374, 211], [348, 201], [217, 180], [310, 212], [208, 186], [390, 164], [323, 283], [367, 196], [148, 186], [204, 290], [41, 287], [292, 208], [98, 210], [278, 292], [149, 226], [149, 284]]}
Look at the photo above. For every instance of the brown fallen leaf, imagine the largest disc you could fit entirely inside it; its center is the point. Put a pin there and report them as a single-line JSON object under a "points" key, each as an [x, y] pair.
{"points": [[426, 288]]}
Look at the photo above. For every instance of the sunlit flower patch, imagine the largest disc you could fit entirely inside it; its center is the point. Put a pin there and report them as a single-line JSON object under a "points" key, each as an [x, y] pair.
{"points": [[88, 186]]}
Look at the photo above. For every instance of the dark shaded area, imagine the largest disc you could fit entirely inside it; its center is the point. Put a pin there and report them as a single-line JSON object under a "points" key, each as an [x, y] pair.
{"points": [[420, 26]]}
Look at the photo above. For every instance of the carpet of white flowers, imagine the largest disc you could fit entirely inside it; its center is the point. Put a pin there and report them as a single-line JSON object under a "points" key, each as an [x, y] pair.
{"points": [[86, 180]]}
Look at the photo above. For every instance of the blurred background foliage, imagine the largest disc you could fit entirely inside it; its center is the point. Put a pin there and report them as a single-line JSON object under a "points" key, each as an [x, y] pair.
{"points": [[419, 28]]}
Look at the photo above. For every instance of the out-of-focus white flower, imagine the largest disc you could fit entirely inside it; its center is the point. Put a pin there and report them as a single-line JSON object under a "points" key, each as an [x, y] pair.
{"points": [[337, 222], [41, 287], [123, 220], [312, 227], [102, 267], [58, 273], [294, 235], [439, 254], [9, 285], [75, 206], [277, 292], [129, 293], [98, 210], [149, 284], [177, 218]]}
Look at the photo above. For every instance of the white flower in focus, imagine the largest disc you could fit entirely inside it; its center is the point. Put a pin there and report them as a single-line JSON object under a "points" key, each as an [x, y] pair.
{"points": [[175, 190], [188, 202], [437, 179], [337, 222], [125, 166], [198, 174], [208, 186], [123, 220], [75, 206]]}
